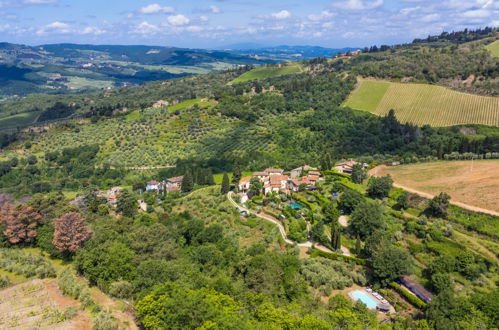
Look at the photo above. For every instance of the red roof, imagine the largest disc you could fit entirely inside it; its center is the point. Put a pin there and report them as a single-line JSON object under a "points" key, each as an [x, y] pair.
{"points": [[153, 182], [277, 179]]}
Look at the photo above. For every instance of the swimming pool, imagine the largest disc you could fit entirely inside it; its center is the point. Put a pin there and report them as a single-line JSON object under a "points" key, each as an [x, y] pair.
{"points": [[365, 299]]}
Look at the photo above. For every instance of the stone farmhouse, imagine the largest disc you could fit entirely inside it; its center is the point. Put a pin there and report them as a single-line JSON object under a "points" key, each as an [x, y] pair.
{"points": [[168, 185]]}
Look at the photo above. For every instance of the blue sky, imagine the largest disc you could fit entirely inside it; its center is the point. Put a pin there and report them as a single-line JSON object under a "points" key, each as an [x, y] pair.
{"points": [[215, 23]]}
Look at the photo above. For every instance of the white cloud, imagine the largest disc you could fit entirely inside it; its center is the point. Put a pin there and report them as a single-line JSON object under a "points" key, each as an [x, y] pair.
{"points": [[479, 13], [283, 14], [358, 4], [56, 28], [92, 30], [322, 16], [156, 9], [178, 20], [146, 28], [194, 28]]}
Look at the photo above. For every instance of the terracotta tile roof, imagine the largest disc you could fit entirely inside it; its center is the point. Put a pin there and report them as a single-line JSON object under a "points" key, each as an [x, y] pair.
{"points": [[277, 179], [153, 182], [313, 177], [274, 170], [245, 179], [260, 174], [177, 179]]}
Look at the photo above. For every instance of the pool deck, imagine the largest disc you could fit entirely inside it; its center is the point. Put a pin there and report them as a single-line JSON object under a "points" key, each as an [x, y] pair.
{"points": [[378, 301]]}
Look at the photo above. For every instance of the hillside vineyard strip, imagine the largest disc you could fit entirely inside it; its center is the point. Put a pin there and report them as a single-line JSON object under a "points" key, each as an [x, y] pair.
{"points": [[423, 104]]}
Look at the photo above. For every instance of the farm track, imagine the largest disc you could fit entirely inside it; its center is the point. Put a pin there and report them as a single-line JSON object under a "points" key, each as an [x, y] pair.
{"points": [[282, 231]]}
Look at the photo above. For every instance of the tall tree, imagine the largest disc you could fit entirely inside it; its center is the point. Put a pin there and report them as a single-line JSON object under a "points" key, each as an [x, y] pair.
{"points": [[335, 236], [127, 204], [391, 262], [357, 245], [379, 187], [187, 182], [20, 223], [358, 174], [236, 175], [367, 217], [225, 184], [255, 186], [70, 232]]}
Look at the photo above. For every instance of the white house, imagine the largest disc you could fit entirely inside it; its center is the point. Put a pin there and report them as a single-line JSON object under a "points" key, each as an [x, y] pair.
{"points": [[152, 186]]}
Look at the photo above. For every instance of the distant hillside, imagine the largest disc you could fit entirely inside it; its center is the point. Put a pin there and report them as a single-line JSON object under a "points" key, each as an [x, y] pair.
{"points": [[67, 68], [287, 53]]}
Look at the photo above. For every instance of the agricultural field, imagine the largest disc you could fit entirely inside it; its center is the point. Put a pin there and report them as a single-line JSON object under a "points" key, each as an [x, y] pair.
{"points": [[473, 183], [268, 72], [21, 119], [423, 104], [38, 304], [494, 48]]}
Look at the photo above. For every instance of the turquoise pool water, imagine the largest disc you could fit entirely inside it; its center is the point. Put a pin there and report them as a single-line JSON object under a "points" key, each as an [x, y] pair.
{"points": [[295, 206], [365, 299]]}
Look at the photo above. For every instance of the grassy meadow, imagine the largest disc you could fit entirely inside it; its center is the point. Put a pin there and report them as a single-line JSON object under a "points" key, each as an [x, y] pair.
{"points": [[423, 104], [268, 72], [493, 48]]}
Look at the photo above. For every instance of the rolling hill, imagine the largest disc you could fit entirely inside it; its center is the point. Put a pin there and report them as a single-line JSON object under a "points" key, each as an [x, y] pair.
{"points": [[69, 68]]}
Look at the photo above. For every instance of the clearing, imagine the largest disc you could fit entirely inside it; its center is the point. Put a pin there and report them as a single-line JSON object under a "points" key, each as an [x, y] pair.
{"points": [[39, 304], [471, 184], [493, 48], [268, 72], [423, 104]]}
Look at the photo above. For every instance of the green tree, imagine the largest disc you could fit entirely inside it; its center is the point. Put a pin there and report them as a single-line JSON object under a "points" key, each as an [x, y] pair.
{"points": [[358, 246], [175, 306], [127, 204], [317, 232], [358, 174], [255, 187], [391, 262], [367, 217], [331, 213], [437, 207], [349, 200], [441, 282], [225, 184], [236, 175], [335, 236], [403, 200], [187, 182], [379, 187]]}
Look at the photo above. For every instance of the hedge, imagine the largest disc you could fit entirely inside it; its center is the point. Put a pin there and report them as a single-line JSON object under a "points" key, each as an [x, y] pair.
{"points": [[409, 296], [336, 256], [338, 174]]}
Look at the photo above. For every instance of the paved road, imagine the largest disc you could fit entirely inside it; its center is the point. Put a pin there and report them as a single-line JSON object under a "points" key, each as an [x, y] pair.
{"points": [[279, 225]]}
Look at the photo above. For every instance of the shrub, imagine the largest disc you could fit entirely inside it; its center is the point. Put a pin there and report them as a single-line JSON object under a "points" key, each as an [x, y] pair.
{"points": [[71, 286], [335, 256], [4, 281], [121, 289], [105, 321], [407, 295]]}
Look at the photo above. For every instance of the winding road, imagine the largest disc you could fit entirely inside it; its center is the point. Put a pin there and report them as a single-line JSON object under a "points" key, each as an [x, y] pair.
{"points": [[282, 231]]}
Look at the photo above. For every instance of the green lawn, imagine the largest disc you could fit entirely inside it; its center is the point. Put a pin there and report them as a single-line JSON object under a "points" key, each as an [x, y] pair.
{"points": [[218, 177], [268, 72], [494, 48], [368, 95]]}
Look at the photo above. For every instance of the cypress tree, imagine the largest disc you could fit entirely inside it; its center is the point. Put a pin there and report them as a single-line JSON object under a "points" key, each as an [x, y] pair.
{"points": [[357, 245], [335, 236], [236, 176], [225, 184], [209, 178], [187, 182]]}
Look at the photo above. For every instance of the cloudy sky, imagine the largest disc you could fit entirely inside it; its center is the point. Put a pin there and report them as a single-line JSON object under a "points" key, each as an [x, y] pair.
{"points": [[215, 23]]}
